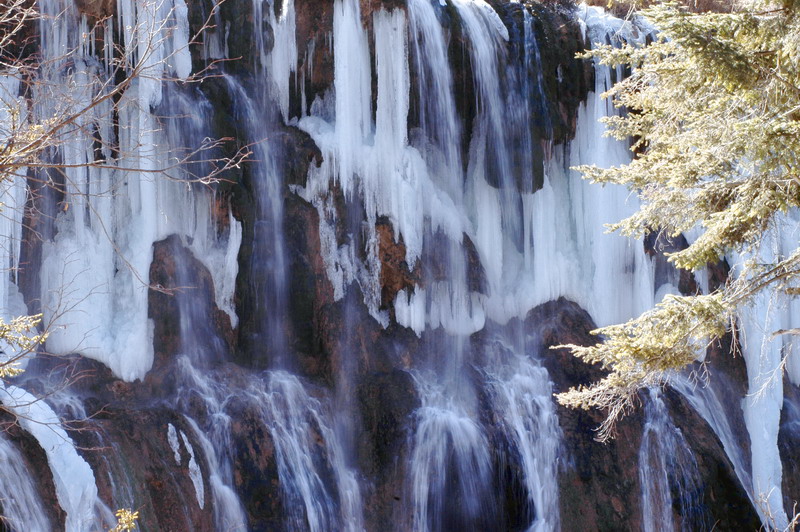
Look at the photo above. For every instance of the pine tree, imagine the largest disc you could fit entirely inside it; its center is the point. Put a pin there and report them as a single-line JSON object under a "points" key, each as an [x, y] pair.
{"points": [[713, 111]]}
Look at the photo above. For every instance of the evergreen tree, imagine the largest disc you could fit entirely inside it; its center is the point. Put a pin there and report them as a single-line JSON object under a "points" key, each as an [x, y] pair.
{"points": [[713, 108]]}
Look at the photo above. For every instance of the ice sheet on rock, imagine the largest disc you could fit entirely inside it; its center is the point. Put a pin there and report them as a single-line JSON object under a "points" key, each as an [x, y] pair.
{"points": [[73, 477], [194, 472], [376, 165], [174, 444], [94, 273], [13, 195], [278, 55], [764, 400]]}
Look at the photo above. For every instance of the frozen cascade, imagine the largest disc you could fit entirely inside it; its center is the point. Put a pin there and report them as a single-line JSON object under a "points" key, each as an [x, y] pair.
{"points": [[448, 302], [390, 176], [790, 310], [12, 198], [22, 509], [110, 217], [281, 62], [530, 247], [494, 212], [607, 274], [73, 478], [667, 467], [764, 400], [438, 118]]}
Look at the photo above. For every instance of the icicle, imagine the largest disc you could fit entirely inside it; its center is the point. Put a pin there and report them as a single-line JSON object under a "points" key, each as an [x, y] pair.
{"points": [[73, 477]]}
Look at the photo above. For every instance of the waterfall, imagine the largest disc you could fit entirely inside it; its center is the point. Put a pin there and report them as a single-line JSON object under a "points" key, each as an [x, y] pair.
{"points": [[450, 465], [294, 418], [667, 469], [437, 212], [522, 398], [73, 478], [762, 405], [215, 439], [21, 504]]}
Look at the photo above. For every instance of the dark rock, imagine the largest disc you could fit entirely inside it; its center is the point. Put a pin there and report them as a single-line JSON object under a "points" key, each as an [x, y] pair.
{"points": [[599, 479], [435, 261], [255, 469], [131, 447], [36, 463], [294, 153], [658, 245], [723, 497], [311, 291], [567, 80], [182, 292], [386, 401], [96, 9], [314, 19], [602, 479]]}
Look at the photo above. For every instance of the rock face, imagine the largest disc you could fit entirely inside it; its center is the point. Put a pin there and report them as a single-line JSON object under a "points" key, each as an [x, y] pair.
{"points": [[96, 9], [36, 463], [182, 292], [599, 482], [395, 274], [145, 439], [255, 471], [134, 445]]}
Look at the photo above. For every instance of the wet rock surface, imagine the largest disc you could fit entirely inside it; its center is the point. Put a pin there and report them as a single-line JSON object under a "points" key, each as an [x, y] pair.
{"points": [[339, 346], [182, 285], [36, 463], [601, 479]]}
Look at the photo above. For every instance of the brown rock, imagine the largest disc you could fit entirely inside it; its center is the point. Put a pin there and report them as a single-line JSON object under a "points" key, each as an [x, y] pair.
{"points": [[96, 9], [131, 447], [36, 463], [180, 283], [395, 274]]}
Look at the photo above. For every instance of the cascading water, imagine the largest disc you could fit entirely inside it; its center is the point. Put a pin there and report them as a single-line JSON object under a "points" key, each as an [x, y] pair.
{"points": [[450, 465], [522, 398], [22, 510], [667, 468], [437, 121]]}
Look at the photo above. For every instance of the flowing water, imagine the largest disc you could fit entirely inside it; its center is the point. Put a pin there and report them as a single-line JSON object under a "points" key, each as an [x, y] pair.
{"points": [[486, 216]]}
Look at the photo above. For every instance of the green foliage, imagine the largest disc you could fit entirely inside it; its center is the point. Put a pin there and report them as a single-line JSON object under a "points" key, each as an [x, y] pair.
{"points": [[713, 108], [639, 352]]}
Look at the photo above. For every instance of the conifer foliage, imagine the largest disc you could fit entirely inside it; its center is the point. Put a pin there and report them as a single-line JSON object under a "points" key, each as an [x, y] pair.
{"points": [[713, 108]]}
